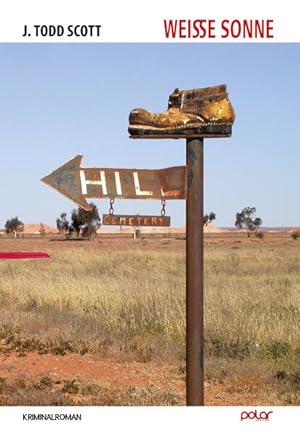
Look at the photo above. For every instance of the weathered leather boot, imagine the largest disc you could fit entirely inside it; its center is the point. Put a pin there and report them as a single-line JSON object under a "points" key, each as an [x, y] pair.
{"points": [[205, 112]]}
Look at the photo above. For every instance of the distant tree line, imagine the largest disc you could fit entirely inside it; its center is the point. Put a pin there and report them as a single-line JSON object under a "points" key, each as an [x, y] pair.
{"points": [[85, 223]]}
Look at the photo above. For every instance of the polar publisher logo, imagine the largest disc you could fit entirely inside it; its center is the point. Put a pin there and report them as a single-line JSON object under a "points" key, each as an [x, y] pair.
{"points": [[263, 416]]}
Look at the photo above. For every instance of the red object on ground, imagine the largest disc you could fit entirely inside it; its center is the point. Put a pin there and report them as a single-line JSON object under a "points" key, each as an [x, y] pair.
{"points": [[23, 255]]}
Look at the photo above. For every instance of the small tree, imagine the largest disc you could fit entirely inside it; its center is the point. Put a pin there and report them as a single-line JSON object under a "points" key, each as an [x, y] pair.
{"points": [[208, 218], [85, 222], [245, 219], [14, 226], [82, 222], [62, 224]]}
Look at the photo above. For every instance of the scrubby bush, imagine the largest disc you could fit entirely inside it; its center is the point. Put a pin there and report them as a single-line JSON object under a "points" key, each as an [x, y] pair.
{"points": [[295, 234], [259, 234]]}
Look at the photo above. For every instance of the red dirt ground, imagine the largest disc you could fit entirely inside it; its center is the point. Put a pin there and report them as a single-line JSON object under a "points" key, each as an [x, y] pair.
{"points": [[115, 243], [14, 365]]}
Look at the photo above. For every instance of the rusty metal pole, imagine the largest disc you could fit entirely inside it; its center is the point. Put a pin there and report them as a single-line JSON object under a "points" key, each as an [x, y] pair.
{"points": [[194, 274]]}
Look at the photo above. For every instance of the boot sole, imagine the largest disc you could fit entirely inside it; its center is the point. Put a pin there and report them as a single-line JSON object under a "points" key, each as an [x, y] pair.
{"points": [[210, 129]]}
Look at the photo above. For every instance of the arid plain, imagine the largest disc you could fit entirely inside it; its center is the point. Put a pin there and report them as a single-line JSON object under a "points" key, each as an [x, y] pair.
{"points": [[102, 322]]}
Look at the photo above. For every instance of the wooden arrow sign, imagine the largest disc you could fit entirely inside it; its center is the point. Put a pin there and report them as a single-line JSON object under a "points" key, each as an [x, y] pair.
{"points": [[78, 183]]}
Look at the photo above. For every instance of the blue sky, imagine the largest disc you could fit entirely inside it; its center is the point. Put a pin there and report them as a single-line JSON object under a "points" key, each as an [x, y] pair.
{"points": [[58, 100]]}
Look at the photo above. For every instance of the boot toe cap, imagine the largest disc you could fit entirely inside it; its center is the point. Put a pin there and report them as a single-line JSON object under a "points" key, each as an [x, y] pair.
{"points": [[140, 116]]}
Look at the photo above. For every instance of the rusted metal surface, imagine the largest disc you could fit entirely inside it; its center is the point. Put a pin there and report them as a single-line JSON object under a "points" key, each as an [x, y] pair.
{"points": [[194, 274], [135, 220], [78, 183]]}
